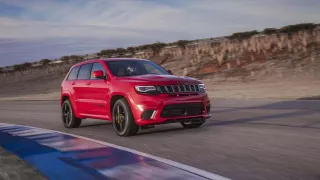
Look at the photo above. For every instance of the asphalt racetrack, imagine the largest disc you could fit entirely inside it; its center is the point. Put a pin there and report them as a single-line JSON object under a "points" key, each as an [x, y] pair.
{"points": [[243, 140]]}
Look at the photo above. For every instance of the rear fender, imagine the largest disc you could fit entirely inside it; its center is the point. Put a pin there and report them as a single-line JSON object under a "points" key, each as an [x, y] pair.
{"points": [[73, 103]]}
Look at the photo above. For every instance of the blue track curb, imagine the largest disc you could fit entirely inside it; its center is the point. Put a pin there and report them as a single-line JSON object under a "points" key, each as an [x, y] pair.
{"points": [[63, 157]]}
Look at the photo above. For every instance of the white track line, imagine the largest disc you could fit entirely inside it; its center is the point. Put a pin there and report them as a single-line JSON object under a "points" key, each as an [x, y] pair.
{"points": [[194, 170]]}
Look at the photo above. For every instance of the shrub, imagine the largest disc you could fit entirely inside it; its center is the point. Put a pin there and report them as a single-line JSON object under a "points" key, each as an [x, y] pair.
{"points": [[297, 27], [21, 67], [44, 62], [65, 58], [269, 31], [243, 35], [108, 52], [156, 47], [121, 51], [182, 43], [131, 49]]}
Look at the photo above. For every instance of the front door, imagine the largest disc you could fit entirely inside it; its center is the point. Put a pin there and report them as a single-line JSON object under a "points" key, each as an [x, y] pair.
{"points": [[99, 93]]}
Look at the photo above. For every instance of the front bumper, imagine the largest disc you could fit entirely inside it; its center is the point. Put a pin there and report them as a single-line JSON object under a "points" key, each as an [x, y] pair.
{"points": [[163, 109]]}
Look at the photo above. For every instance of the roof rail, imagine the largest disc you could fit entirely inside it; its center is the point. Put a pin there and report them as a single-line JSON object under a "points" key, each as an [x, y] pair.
{"points": [[94, 58]]}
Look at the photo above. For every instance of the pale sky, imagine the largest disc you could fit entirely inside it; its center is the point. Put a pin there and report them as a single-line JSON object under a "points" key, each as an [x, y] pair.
{"points": [[34, 29]]}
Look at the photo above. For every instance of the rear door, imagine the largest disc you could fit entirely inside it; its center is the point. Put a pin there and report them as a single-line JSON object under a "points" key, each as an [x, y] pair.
{"points": [[81, 90], [99, 93], [71, 81]]}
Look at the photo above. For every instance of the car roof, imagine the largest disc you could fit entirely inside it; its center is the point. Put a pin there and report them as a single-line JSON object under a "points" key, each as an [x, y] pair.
{"points": [[119, 59], [107, 59]]}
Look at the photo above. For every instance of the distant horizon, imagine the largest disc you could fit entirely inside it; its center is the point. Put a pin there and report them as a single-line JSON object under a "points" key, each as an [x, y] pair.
{"points": [[33, 30]]}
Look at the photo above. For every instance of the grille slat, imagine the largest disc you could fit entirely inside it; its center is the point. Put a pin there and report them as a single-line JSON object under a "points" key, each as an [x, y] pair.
{"points": [[182, 88], [187, 88], [192, 88], [166, 89], [197, 88]]}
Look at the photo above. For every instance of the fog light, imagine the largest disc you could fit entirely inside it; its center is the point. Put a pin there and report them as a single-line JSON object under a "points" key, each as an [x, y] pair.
{"points": [[208, 109], [148, 114]]}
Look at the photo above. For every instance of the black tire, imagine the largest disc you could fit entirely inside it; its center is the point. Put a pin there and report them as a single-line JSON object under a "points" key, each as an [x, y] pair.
{"points": [[69, 120], [123, 120], [192, 125]]}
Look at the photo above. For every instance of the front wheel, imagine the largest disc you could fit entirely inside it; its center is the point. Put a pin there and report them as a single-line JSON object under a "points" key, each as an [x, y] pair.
{"points": [[123, 120], [68, 118], [191, 125]]}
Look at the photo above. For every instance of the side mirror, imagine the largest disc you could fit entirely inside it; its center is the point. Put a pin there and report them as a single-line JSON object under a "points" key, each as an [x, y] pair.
{"points": [[98, 74], [170, 72]]}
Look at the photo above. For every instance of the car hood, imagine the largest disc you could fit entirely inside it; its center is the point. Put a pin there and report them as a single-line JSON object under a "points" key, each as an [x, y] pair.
{"points": [[160, 79]]}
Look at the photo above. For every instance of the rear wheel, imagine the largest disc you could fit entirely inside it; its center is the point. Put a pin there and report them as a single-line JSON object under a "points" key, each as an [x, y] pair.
{"points": [[191, 125], [68, 118], [123, 120]]}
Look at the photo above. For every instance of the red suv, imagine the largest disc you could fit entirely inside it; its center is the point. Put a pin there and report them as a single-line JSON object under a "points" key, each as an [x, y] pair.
{"points": [[133, 94]]}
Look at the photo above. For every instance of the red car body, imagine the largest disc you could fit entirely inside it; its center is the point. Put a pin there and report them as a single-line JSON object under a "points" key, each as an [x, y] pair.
{"points": [[94, 98]]}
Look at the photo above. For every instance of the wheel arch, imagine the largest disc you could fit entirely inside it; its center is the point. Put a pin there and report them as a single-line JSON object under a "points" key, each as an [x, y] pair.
{"points": [[115, 97], [66, 96], [63, 98]]}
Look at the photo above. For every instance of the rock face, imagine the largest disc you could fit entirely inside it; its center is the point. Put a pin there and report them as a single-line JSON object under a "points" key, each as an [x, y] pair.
{"points": [[208, 57]]}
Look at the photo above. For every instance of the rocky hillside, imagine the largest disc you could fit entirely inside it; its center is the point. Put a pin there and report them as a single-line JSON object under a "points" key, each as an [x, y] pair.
{"points": [[292, 50], [250, 56]]}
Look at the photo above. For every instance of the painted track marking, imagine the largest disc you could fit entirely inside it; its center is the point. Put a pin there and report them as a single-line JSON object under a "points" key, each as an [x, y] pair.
{"points": [[40, 131]]}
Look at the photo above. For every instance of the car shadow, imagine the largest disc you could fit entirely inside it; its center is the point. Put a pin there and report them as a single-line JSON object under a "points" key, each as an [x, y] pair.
{"points": [[310, 98], [96, 124], [274, 106], [161, 131], [301, 108]]}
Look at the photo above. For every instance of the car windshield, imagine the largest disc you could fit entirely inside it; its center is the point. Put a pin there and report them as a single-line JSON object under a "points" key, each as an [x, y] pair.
{"points": [[134, 68]]}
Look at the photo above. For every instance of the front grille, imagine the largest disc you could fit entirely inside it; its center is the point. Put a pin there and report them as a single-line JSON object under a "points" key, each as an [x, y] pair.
{"points": [[185, 88], [175, 110]]}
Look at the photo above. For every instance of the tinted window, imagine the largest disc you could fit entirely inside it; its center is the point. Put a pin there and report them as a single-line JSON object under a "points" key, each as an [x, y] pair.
{"points": [[134, 68], [96, 67], [74, 73], [84, 72], [150, 68]]}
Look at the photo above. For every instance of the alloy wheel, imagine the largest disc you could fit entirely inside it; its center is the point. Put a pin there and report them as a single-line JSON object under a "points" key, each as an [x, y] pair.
{"points": [[66, 110], [120, 118]]}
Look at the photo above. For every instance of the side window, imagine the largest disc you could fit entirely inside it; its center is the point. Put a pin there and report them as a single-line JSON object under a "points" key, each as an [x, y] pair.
{"points": [[96, 67], [74, 73], [84, 72]]}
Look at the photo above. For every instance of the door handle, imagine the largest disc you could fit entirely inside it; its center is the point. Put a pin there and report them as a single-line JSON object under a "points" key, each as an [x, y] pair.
{"points": [[73, 83], [89, 83]]}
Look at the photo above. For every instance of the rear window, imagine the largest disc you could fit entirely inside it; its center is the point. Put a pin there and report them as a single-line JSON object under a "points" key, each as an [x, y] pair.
{"points": [[74, 73]]}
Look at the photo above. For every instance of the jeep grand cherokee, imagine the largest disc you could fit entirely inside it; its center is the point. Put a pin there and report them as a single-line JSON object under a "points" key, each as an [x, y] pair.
{"points": [[133, 94]]}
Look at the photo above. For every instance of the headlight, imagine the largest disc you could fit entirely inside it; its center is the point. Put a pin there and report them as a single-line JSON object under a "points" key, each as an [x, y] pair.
{"points": [[202, 88], [146, 89]]}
